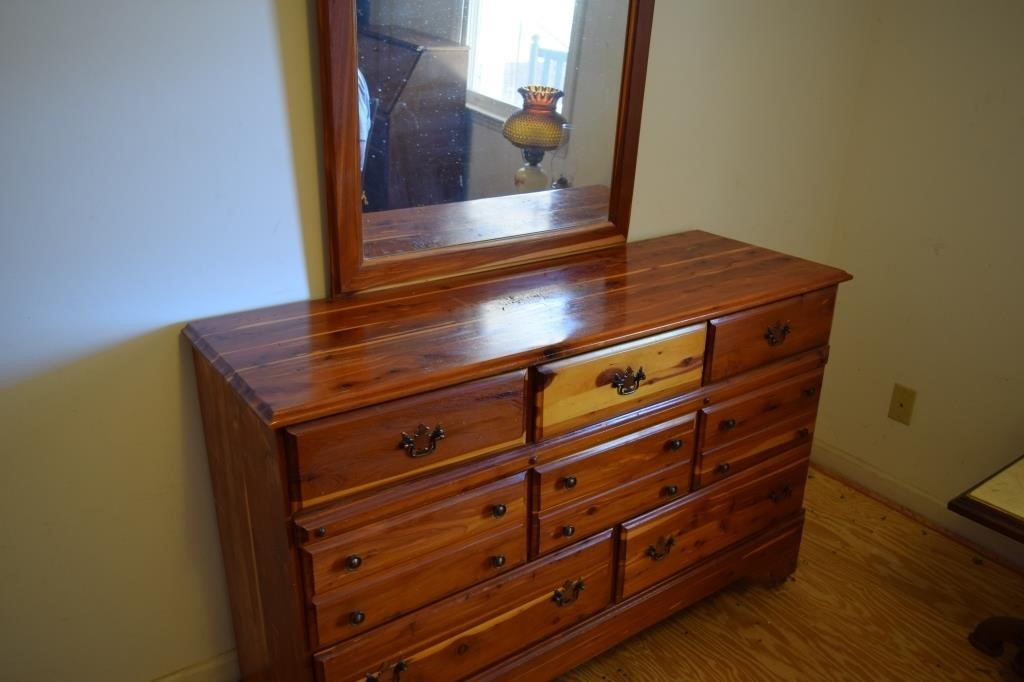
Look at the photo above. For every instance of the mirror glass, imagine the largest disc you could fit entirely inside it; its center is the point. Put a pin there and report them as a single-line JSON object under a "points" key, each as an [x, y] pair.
{"points": [[448, 153]]}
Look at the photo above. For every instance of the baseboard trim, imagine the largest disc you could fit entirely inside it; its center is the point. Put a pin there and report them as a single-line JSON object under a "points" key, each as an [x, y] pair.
{"points": [[914, 502], [222, 668]]}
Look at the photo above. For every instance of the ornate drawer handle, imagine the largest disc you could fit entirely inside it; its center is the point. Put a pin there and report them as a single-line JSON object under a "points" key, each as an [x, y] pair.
{"points": [[411, 443], [569, 592], [396, 673], [627, 383], [661, 548], [777, 333], [782, 493], [676, 444], [570, 482]]}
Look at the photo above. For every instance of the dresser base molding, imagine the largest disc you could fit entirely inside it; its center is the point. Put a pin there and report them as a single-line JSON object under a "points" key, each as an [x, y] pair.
{"points": [[767, 559]]}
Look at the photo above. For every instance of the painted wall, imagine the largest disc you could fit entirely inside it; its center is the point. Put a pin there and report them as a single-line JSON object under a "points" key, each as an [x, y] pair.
{"points": [[159, 163]]}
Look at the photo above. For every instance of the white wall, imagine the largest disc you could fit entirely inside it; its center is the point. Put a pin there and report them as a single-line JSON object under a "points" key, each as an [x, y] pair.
{"points": [[158, 163]]}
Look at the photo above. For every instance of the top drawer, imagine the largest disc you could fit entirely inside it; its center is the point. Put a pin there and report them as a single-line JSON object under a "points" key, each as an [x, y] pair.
{"points": [[385, 443], [590, 387], [771, 332]]}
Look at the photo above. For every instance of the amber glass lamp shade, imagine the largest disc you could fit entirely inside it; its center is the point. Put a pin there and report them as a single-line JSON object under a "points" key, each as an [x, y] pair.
{"points": [[536, 128]]}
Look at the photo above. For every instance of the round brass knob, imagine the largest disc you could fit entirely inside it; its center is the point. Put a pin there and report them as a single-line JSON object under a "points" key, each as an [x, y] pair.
{"points": [[498, 560], [568, 531], [499, 510], [356, 617], [570, 481], [353, 562], [675, 444], [671, 490]]}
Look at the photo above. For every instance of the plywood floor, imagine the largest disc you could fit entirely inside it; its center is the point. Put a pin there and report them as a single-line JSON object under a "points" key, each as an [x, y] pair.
{"points": [[877, 596]]}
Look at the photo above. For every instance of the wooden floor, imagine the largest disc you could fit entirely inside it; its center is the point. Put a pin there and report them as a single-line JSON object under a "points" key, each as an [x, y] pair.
{"points": [[877, 596]]}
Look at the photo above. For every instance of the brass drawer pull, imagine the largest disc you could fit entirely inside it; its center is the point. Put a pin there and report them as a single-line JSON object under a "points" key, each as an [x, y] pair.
{"points": [[353, 562], [569, 592], [777, 333], [396, 673], [499, 510], [782, 493], [676, 444], [723, 468], [660, 549], [498, 560], [570, 482], [411, 444], [627, 383]]}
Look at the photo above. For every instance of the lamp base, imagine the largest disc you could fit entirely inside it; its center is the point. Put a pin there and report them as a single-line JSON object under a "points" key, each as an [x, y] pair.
{"points": [[531, 178]]}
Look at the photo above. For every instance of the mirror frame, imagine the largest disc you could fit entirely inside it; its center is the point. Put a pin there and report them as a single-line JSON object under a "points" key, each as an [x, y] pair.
{"points": [[350, 271]]}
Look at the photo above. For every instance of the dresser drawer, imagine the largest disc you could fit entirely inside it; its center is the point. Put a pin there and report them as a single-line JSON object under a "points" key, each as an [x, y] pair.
{"points": [[617, 462], [408, 538], [357, 607], [464, 634], [738, 418], [566, 524], [771, 332], [729, 460], [386, 443], [587, 388], [669, 539]]}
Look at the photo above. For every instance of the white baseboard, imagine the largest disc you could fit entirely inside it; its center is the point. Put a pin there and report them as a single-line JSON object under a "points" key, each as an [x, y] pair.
{"points": [[902, 494], [222, 668]]}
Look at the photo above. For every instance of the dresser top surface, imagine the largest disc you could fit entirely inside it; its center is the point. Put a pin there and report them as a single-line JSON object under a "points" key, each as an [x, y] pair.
{"points": [[306, 360]]}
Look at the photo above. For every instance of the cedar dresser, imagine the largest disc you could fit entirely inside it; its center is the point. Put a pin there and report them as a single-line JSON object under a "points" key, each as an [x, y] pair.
{"points": [[500, 475]]}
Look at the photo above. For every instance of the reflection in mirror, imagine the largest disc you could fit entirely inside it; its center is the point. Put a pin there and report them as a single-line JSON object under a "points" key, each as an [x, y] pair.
{"points": [[439, 81]]}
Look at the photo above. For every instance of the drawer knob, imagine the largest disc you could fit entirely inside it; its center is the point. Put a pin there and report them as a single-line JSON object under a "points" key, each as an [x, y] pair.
{"points": [[780, 494], [498, 560], [413, 445], [661, 548], [356, 617], [676, 444], [723, 468], [671, 490], [811, 391], [627, 382], [320, 532], [728, 424], [569, 592], [570, 482], [353, 562], [777, 333], [499, 510], [803, 433], [568, 531]]}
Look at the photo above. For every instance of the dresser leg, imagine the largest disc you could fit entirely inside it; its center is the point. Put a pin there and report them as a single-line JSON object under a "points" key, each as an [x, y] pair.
{"points": [[990, 635]]}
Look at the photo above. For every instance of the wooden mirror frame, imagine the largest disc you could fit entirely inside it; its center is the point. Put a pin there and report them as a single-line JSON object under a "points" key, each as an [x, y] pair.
{"points": [[350, 271]]}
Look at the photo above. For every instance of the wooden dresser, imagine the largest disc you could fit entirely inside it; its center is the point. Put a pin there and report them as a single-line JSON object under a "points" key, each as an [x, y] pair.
{"points": [[499, 476]]}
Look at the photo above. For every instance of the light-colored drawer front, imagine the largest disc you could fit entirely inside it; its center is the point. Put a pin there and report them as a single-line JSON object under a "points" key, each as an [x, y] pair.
{"points": [[721, 463], [771, 332], [615, 463], [585, 389], [384, 545], [383, 444], [674, 537], [740, 417], [465, 633], [564, 525], [356, 608]]}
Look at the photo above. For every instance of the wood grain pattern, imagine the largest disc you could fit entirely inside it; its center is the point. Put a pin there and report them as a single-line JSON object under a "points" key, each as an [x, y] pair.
{"points": [[302, 361], [729, 460], [582, 390], [877, 596]]}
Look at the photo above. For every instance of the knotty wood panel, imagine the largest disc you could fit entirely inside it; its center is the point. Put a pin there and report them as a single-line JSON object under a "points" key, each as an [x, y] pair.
{"points": [[301, 361], [877, 596]]}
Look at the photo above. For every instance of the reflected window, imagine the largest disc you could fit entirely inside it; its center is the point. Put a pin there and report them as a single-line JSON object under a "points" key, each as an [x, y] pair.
{"points": [[512, 44]]}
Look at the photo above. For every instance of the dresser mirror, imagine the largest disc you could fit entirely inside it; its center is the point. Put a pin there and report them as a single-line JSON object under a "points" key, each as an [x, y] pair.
{"points": [[464, 135]]}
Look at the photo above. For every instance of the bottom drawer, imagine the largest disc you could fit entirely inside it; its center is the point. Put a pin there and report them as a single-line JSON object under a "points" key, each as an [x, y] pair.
{"points": [[665, 541], [465, 633]]}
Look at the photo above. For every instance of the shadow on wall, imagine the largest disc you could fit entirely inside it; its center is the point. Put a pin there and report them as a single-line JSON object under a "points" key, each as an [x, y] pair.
{"points": [[110, 543]]}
